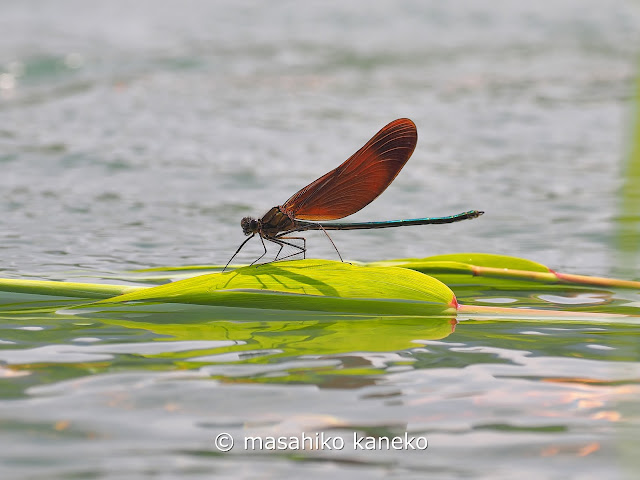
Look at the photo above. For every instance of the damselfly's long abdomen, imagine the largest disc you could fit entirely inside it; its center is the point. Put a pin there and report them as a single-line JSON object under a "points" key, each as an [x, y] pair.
{"points": [[301, 226]]}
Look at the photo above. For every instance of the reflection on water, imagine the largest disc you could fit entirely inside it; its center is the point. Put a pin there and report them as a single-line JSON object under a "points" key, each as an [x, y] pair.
{"points": [[115, 377]]}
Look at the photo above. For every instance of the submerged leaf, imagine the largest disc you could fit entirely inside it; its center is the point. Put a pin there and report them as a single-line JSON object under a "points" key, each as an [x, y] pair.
{"points": [[310, 333]]}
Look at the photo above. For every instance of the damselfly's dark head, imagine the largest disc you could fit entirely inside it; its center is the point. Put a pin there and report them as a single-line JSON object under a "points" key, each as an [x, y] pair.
{"points": [[249, 225]]}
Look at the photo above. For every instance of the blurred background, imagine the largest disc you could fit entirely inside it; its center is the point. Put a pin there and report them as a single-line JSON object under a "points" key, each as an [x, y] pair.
{"points": [[139, 134]]}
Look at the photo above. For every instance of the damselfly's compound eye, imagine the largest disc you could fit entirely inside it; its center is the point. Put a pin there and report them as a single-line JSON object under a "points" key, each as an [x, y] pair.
{"points": [[249, 225]]}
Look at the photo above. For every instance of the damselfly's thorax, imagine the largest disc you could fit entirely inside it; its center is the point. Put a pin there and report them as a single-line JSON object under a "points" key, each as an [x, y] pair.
{"points": [[274, 222]]}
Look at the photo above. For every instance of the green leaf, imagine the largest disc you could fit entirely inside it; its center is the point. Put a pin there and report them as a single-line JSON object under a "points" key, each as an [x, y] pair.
{"points": [[317, 285], [464, 263], [63, 289], [499, 270]]}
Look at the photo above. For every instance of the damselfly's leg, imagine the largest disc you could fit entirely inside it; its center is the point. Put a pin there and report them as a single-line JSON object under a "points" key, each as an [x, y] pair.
{"points": [[238, 250], [334, 245], [263, 254], [281, 242]]}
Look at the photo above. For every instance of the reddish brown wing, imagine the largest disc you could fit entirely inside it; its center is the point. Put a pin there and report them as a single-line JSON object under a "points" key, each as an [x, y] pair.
{"points": [[360, 179]]}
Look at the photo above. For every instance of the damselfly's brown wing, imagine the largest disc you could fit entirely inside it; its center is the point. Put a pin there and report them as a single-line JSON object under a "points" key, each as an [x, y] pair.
{"points": [[360, 179]]}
